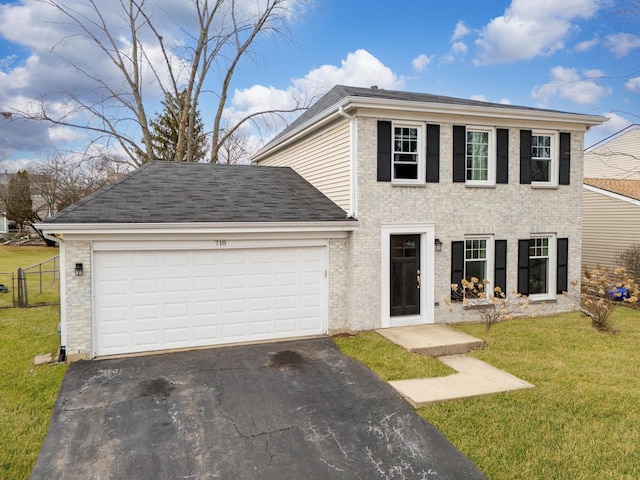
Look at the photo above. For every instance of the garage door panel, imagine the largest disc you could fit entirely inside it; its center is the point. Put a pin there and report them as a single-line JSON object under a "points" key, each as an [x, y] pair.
{"points": [[152, 300]]}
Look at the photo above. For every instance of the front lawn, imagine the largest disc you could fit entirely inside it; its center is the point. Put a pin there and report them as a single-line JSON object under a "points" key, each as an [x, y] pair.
{"points": [[27, 393], [581, 421]]}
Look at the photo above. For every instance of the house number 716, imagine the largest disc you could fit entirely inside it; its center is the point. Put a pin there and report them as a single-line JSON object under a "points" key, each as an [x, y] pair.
{"points": [[221, 243]]}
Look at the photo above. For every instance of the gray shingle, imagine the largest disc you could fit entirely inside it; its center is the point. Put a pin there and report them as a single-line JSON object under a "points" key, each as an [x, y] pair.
{"points": [[340, 92], [171, 192]]}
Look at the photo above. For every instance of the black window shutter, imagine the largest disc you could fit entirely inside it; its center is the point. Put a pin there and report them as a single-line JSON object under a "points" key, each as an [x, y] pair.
{"points": [[523, 267], [502, 155], [433, 153], [565, 159], [459, 153], [457, 267], [562, 262], [500, 273], [525, 156], [384, 151]]}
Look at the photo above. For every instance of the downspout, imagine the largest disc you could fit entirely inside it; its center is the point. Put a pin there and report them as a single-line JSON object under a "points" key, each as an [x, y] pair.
{"points": [[353, 187], [62, 356]]}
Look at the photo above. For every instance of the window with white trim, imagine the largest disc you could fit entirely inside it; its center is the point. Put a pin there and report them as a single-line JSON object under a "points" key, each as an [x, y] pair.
{"points": [[539, 266], [544, 158], [407, 158], [480, 156]]}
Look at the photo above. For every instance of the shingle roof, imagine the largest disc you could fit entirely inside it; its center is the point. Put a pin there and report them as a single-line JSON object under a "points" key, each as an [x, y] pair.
{"points": [[171, 192], [340, 92], [627, 188]]}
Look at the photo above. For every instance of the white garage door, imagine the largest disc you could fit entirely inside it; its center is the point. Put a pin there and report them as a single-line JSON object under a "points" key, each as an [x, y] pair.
{"points": [[155, 300]]}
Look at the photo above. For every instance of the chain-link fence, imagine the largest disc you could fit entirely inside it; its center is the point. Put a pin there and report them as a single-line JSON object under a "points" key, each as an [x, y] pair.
{"points": [[8, 293], [38, 284]]}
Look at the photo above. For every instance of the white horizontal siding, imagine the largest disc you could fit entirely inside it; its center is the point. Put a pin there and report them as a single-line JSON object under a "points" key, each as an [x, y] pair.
{"points": [[609, 227], [323, 160], [618, 158]]}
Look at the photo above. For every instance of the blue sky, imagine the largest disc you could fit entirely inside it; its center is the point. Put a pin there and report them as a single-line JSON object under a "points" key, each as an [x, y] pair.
{"points": [[572, 55]]}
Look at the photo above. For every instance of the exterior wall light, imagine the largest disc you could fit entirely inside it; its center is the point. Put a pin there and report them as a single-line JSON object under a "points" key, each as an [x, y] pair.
{"points": [[79, 269], [438, 243]]}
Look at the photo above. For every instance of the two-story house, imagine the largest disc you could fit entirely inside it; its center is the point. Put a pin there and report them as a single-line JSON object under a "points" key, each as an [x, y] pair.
{"points": [[360, 215], [443, 189]]}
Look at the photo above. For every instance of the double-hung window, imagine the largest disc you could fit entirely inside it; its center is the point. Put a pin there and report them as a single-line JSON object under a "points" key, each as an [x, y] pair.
{"points": [[407, 154], [475, 259], [472, 260], [542, 266], [544, 158], [480, 156]]}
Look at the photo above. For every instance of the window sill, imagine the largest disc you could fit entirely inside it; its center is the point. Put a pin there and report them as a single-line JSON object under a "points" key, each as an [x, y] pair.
{"points": [[480, 185], [545, 186], [408, 183], [475, 303], [542, 299]]}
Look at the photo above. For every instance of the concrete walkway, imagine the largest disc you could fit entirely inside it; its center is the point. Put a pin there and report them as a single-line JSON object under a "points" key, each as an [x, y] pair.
{"points": [[474, 376]]}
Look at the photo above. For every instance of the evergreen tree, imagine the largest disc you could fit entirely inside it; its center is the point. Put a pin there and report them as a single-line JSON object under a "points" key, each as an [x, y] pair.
{"points": [[167, 124], [19, 204]]}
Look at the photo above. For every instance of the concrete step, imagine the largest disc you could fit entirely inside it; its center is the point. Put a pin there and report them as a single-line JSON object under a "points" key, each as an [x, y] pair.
{"points": [[435, 340]]}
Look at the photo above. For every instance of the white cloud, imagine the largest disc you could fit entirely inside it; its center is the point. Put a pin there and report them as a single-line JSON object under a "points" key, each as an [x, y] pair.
{"points": [[621, 44], [460, 31], [359, 69], [586, 45], [459, 48], [479, 98], [505, 101], [529, 29], [569, 84], [421, 62], [613, 125], [633, 84]]}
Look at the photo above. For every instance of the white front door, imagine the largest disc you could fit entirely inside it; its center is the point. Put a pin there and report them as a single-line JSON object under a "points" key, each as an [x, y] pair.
{"points": [[407, 275]]}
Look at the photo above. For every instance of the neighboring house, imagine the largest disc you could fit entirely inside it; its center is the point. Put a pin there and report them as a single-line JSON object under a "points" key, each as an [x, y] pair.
{"points": [[419, 192], [617, 156], [611, 220], [611, 198]]}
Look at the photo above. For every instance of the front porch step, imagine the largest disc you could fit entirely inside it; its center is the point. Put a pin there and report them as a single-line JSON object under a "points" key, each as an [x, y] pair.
{"points": [[435, 340]]}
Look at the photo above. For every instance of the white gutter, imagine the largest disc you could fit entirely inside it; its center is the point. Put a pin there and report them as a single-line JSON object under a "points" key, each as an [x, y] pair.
{"points": [[63, 288], [353, 187], [196, 228]]}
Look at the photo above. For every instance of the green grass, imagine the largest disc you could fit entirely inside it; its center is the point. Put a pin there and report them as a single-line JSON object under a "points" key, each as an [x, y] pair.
{"points": [[388, 360], [27, 393], [581, 421], [14, 257]]}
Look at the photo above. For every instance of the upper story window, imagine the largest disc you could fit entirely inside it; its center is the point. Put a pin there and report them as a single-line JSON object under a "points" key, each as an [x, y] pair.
{"points": [[406, 152], [474, 155], [407, 156], [544, 158], [477, 155]]}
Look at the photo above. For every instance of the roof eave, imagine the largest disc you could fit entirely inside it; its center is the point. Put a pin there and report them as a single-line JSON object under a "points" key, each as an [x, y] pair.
{"points": [[196, 227], [355, 102]]}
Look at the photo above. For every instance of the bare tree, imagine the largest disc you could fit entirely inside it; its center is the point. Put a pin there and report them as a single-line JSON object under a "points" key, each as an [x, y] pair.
{"points": [[60, 181], [150, 59]]}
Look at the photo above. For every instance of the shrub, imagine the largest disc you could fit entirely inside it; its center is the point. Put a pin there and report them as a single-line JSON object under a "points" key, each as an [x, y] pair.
{"points": [[492, 308], [630, 260], [602, 289]]}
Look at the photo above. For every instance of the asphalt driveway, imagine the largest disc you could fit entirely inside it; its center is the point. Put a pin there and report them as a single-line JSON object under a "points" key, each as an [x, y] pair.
{"points": [[289, 410]]}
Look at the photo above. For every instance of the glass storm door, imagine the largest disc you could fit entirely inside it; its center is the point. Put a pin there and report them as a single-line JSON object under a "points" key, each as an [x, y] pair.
{"points": [[405, 275]]}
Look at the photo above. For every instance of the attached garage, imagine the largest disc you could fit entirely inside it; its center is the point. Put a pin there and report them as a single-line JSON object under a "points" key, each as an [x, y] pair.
{"points": [[156, 300], [176, 256]]}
